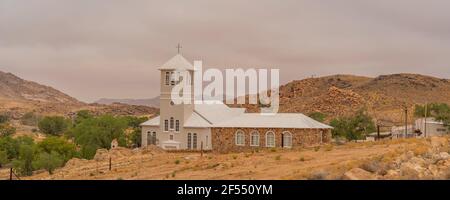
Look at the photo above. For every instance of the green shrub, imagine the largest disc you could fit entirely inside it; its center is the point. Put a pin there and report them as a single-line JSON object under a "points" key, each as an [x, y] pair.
{"points": [[59, 145], [54, 125], [99, 132], [24, 163], [353, 128], [48, 161]]}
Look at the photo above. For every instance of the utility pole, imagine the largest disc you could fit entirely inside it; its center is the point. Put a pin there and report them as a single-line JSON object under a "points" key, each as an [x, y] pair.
{"points": [[426, 115], [378, 132], [405, 107]]}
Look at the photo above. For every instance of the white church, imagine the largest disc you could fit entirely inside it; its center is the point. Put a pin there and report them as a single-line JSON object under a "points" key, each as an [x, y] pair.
{"points": [[218, 127]]}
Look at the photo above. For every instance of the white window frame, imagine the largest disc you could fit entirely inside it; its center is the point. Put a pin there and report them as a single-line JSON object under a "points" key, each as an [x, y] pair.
{"points": [[253, 134], [167, 79], [267, 137], [177, 126], [237, 134], [289, 135], [172, 124], [166, 125]]}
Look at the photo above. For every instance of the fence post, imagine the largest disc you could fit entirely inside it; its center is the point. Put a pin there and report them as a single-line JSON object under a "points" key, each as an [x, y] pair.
{"points": [[10, 173], [110, 163]]}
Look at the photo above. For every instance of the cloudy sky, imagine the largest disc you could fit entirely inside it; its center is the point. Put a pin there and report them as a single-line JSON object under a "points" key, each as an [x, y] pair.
{"points": [[111, 48]]}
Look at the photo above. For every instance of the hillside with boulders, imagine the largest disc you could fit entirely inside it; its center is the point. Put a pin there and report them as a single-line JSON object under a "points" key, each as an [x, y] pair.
{"points": [[384, 97]]}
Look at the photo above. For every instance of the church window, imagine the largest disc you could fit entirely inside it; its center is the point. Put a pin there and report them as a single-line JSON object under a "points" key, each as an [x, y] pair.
{"points": [[194, 141], [166, 125], [287, 139], [167, 80], [171, 123], [177, 125], [189, 141], [270, 139], [171, 137], [172, 78], [254, 139], [240, 138]]}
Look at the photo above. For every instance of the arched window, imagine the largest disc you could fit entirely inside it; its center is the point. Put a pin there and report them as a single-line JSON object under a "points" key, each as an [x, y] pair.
{"points": [[189, 141], [194, 141], [171, 123], [254, 140], [270, 139], [166, 125], [167, 80], [287, 139], [177, 125], [240, 138]]}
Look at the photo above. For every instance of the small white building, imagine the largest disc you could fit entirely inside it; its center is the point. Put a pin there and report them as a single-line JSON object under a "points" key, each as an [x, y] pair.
{"points": [[428, 127]]}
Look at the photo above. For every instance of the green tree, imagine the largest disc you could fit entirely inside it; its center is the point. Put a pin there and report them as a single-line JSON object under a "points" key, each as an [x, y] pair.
{"points": [[54, 125], [48, 161], [10, 146], [59, 145], [82, 115], [24, 163], [318, 116], [353, 128], [98, 132]]}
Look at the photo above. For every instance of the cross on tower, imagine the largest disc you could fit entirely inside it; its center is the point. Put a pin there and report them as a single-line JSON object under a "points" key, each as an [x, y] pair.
{"points": [[179, 47]]}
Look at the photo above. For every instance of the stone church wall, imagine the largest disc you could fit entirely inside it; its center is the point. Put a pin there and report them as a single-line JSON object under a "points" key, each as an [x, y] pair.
{"points": [[223, 139]]}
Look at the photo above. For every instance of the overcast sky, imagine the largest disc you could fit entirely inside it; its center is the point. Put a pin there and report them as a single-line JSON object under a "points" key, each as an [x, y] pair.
{"points": [[111, 48]]}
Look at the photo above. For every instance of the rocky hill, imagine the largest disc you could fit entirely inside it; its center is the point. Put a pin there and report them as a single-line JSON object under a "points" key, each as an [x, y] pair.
{"points": [[384, 97], [19, 96], [15, 88]]}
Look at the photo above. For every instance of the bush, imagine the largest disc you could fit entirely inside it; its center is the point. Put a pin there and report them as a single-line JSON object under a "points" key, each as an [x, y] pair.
{"points": [[30, 119], [24, 163], [10, 146], [61, 146], [6, 130], [99, 132], [82, 115], [53, 125], [353, 128], [49, 161]]}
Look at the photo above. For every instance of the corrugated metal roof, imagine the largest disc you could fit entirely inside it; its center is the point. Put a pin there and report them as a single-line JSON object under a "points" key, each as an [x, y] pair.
{"points": [[279, 120], [217, 114]]}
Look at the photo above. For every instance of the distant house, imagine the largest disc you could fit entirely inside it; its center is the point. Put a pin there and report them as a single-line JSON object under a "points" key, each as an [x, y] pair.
{"points": [[430, 127], [215, 126]]}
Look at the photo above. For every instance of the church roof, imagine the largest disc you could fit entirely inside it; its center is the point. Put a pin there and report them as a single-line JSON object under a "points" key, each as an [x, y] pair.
{"points": [[178, 62], [279, 120], [217, 114]]}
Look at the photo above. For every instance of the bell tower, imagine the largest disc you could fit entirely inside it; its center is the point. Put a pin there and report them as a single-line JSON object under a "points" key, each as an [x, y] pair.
{"points": [[176, 73]]}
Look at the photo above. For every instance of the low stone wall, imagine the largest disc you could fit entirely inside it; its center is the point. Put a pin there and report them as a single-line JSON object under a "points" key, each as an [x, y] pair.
{"points": [[223, 139]]}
